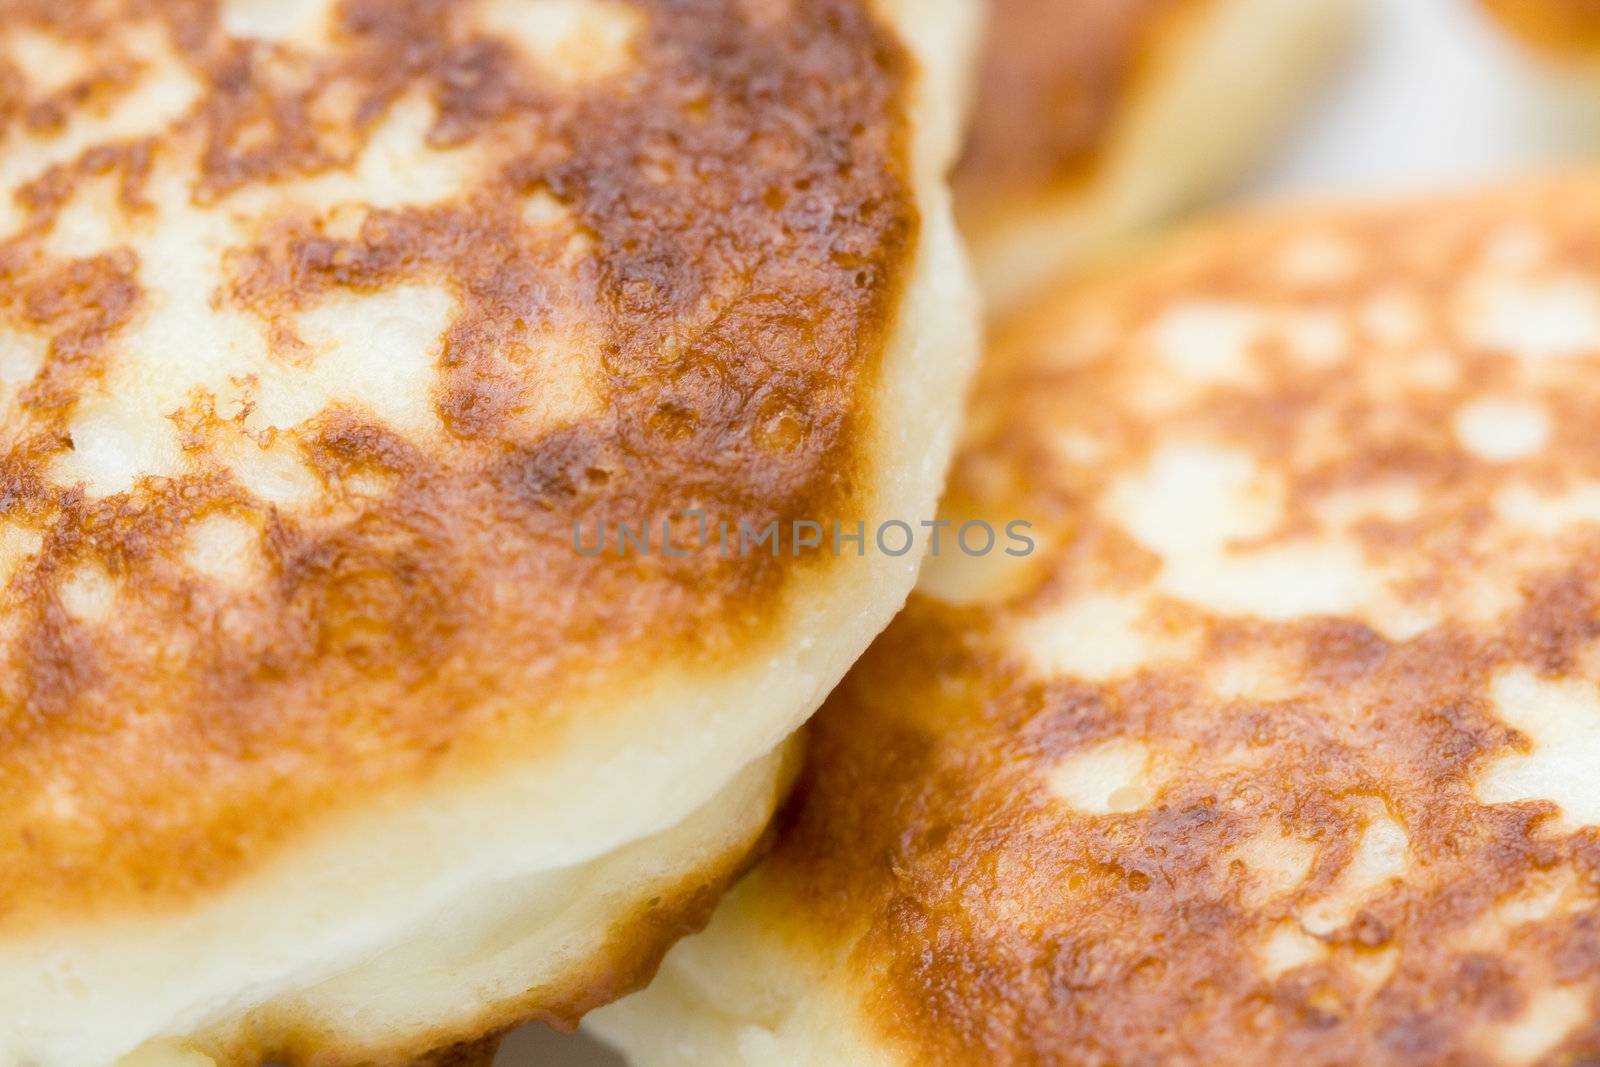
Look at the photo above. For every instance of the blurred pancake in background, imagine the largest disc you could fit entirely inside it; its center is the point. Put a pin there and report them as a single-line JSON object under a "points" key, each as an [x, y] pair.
{"points": [[336, 339], [1283, 747], [1569, 29], [1094, 118], [1563, 38]]}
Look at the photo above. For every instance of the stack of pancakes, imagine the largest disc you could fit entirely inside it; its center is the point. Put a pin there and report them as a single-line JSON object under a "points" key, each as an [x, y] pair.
{"points": [[451, 447]]}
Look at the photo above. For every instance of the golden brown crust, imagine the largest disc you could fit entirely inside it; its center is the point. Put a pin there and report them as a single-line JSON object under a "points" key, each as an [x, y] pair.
{"points": [[1057, 77], [1000, 923], [1562, 27], [741, 224], [479, 1053]]}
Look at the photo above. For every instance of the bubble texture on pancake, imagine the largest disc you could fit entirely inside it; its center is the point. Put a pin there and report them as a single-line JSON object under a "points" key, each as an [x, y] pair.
{"points": [[1095, 118], [1283, 747], [322, 325], [574, 314]]}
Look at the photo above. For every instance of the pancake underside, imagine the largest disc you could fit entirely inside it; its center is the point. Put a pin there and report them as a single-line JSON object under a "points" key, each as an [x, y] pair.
{"points": [[547, 946]]}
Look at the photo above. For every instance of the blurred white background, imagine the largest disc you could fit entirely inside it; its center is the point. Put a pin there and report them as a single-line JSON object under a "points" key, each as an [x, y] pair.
{"points": [[1430, 96]]}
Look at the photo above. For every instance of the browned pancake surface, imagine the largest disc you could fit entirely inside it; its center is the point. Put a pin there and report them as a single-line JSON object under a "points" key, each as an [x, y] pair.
{"points": [[666, 275], [1283, 747]]}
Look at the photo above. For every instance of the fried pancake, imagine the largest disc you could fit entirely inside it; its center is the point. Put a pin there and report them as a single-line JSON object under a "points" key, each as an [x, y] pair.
{"points": [[1095, 118], [333, 334], [1282, 747]]}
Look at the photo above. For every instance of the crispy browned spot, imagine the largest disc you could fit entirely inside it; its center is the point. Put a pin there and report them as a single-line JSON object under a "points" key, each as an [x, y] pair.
{"points": [[742, 221]]}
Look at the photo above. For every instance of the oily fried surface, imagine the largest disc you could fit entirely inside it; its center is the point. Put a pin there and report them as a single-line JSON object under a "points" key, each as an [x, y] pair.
{"points": [[1283, 746], [321, 324]]}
